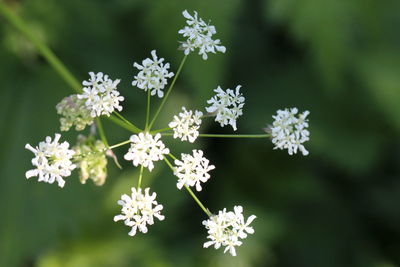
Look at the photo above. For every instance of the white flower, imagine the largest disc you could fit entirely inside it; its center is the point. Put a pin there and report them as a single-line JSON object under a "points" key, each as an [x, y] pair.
{"points": [[199, 36], [227, 105], [289, 131], [186, 125], [101, 94], [192, 170], [52, 161], [153, 75], [145, 149], [227, 228], [139, 210]]}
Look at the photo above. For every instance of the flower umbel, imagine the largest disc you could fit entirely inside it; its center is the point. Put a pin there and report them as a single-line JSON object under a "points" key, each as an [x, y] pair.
{"points": [[145, 149], [186, 125], [199, 36], [138, 210], [192, 170], [153, 75], [289, 131], [52, 161], [74, 112], [227, 229], [227, 105], [101, 94]]}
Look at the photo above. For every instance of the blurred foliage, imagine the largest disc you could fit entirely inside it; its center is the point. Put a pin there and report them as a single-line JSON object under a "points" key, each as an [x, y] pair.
{"points": [[337, 207]]}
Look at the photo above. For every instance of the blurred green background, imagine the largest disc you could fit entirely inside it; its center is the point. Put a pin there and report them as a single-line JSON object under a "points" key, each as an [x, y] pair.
{"points": [[339, 206]]}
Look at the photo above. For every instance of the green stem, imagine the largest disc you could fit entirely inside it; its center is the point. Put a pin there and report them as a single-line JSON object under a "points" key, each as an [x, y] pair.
{"points": [[50, 57], [168, 92], [140, 177], [101, 131], [41, 47], [126, 121], [160, 130], [124, 125], [120, 144], [148, 111], [188, 189]]}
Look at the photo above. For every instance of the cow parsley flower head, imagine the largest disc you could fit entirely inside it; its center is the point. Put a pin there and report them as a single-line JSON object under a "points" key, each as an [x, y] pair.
{"points": [[192, 170], [101, 95], [145, 149], [186, 125], [153, 75], [199, 36], [92, 161], [227, 105], [227, 229], [74, 113], [52, 161], [139, 209], [289, 130]]}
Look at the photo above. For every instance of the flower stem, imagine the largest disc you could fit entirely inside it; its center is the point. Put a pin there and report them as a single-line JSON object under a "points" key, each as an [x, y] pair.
{"points": [[126, 121], [41, 47], [147, 110], [140, 177], [50, 57], [101, 131], [124, 125], [120, 144], [168, 92], [160, 130], [188, 189]]}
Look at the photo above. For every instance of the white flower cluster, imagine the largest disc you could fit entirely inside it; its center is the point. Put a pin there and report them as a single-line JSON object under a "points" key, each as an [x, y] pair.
{"points": [[227, 105], [192, 170], [186, 125], [145, 149], [153, 75], [101, 94], [52, 161], [227, 228], [73, 112], [289, 131], [199, 36], [139, 210]]}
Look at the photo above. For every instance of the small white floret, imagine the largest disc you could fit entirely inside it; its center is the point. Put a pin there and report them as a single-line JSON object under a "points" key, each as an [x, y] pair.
{"points": [[227, 106], [198, 35], [289, 130], [192, 170], [227, 229], [52, 161], [153, 74], [186, 125], [145, 149]]}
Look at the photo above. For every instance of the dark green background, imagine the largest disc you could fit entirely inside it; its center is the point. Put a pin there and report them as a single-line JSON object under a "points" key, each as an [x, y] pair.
{"points": [[337, 207]]}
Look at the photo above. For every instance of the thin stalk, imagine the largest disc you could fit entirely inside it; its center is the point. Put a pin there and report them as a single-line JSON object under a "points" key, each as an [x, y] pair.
{"points": [[41, 47], [124, 125], [120, 144], [189, 190], [160, 130], [147, 110], [140, 177], [101, 131], [126, 121], [168, 92], [50, 57]]}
